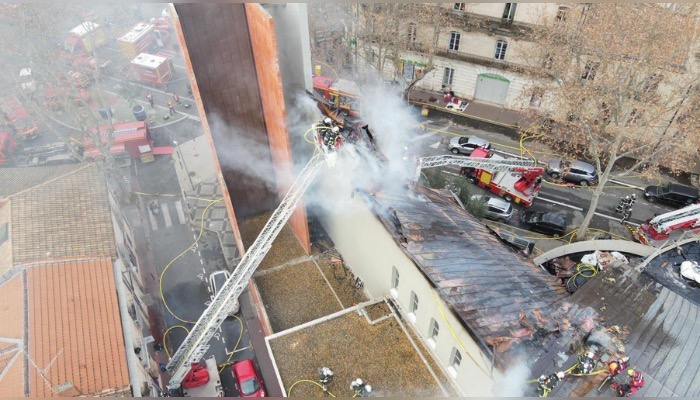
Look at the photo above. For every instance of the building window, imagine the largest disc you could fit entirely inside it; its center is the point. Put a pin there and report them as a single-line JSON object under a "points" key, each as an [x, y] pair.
{"points": [[509, 12], [501, 47], [448, 76], [414, 302], [454, 40], [456, 358], [459, 6], [3, 233], [434, 329], [589, 71], [411, 33], [536, 98]]}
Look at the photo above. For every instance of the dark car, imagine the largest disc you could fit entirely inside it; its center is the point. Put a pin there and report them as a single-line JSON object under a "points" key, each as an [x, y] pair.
{"points": [[544, 222], [574, 171], [672, 193], [467, 144], [247, 379]]}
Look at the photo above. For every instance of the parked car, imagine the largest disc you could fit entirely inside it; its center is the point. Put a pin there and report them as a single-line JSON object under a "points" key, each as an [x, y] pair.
{"points": [[216, 282], [495, 208], [247, 379], [674, 194], [544, 222], [578, 172], [467, 144]]}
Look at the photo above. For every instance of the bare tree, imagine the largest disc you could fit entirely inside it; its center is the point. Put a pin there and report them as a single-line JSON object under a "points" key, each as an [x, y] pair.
{"points": [[622, 88]]}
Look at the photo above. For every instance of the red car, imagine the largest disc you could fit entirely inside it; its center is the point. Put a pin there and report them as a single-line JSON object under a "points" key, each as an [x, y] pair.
{"points": [[247, 378]]}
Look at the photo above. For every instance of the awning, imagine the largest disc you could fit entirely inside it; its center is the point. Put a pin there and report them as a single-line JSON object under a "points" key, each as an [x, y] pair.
{"points": [[93, 152], [158, 151]]}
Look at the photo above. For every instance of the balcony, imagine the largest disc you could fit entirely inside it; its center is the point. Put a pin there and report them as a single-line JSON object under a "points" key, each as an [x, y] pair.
{"points": [[486, 61]]}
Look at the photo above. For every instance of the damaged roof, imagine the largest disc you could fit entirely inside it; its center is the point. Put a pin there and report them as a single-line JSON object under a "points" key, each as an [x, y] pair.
{"points": [[488, 285], [659, 333]]}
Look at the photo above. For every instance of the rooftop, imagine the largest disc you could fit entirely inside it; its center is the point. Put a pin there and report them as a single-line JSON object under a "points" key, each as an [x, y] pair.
{"points": [[488, 285], [84, 28], [137, 32], [73, 331], [148, 60]]}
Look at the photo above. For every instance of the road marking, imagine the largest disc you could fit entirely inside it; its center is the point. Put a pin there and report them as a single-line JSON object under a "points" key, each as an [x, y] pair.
{"points": [[194, 236], [436, 145], [559, 203], [245, 348], [180, 212], [166, 215], [199, 253], [423, 136], [201, 261], [154, 222]]}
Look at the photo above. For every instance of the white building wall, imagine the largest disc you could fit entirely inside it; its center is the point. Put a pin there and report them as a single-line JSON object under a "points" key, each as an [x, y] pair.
{"points": [[371, 252], [528, 13]]}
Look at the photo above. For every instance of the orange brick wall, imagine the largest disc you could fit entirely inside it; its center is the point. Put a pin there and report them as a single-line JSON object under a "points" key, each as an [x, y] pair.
{"points": [[262, 34]]}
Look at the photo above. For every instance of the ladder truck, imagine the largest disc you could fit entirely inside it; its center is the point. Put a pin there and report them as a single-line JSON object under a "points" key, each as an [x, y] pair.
{"points": [[186, 359], [514, 179], [659, 227]]}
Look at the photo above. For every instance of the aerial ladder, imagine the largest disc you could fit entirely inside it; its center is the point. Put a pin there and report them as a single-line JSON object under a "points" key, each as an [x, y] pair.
{"points": [[192, 350], [194, 347], [659, 227]]}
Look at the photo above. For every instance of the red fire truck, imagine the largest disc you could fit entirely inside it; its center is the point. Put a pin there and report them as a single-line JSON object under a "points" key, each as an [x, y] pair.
{"points": [[341, 94], [18, 119], [133, 138], [154, 70], [519, 186], [83, 39], [143, 37], [7, 147]]}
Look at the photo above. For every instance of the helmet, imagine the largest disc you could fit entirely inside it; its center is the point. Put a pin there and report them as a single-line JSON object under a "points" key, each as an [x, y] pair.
{"points": [[590, 354], [327, 121], [625, 359], [612, 366], [630, 372], [368, 388], [561, 374], [335, 129]]}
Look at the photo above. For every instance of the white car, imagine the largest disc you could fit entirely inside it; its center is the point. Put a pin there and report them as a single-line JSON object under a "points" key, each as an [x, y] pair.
{"points": [[216, 282], [467, 144], [496, 208]]}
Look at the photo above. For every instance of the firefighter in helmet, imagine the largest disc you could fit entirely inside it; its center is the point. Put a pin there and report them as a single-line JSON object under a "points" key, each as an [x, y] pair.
{"points": [[586, 363], [545, 383]]}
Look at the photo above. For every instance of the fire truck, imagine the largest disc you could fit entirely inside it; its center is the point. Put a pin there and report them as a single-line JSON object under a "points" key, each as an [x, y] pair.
{"points": [[83, 39], [659, 227], [133, 138], [143, 37], [18, 119], [341, 94], [150, 69], [88, 66], [520, 185]]}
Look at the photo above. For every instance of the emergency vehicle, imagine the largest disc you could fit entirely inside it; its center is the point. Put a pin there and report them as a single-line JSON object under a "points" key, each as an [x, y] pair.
{"points": [[341, 94], [133, 138], [143, 37], [203, 380], [17, 118], [520, 185], [150, 69], [83, 39], [659, 227]]}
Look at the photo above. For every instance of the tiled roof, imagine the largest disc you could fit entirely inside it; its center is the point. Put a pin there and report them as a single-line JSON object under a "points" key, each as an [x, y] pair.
{"points": [[11, 338], [74, 316], [15, 180], [487, 284], [67, 217]]}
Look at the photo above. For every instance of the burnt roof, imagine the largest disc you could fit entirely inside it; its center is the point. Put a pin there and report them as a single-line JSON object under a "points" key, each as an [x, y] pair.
{"points": [[487, 284], [661, 337]]}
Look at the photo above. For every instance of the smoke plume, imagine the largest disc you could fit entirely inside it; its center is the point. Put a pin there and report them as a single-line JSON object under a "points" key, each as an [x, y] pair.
{"points": [[513, 383]]}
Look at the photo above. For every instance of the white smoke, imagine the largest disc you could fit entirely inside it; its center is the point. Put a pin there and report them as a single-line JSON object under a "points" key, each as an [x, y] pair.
{"points": [[513, 383]]}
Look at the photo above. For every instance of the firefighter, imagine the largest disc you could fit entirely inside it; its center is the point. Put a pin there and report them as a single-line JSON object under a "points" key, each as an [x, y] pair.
{"points": [[615, 367], [586, 363], [545, 383], [634, 383], [171, 109], [177, 100], [325, 376], [149, 96]]}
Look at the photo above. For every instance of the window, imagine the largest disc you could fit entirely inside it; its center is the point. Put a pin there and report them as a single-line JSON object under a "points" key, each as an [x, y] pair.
{"points": [[561, 13], [589, 71], [448, 76], [454, 40], [414, 302], [3, 233], [456, 358], [509, 11], [394, 278], [459, 6], [536, 98], [501, 47], [434, 328], [411, 33]]}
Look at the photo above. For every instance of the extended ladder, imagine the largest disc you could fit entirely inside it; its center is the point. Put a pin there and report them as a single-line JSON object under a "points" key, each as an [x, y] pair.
{"points": [[665, 221], [483, 163], [196, 344]]}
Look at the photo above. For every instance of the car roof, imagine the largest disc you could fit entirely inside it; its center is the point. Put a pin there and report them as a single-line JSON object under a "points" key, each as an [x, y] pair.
{"points": [[687, 190], [244, 369], [478, 141], [498, 203], [553, 219], [582, 165]]}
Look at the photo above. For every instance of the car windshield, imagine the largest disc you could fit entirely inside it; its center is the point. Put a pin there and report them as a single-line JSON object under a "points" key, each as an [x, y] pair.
{"points": [[664, 189], [463, 140], [536, 217], [250, 386]]}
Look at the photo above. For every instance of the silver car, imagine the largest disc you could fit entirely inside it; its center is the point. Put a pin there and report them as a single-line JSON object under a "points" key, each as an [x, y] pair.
{"points": [[496, 208], [579, 172], [216, 282], [467, 144]]}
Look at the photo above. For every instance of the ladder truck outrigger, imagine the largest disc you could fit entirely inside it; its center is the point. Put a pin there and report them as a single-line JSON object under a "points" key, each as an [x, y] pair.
{"points": [[659, 227], [184, 366]]}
